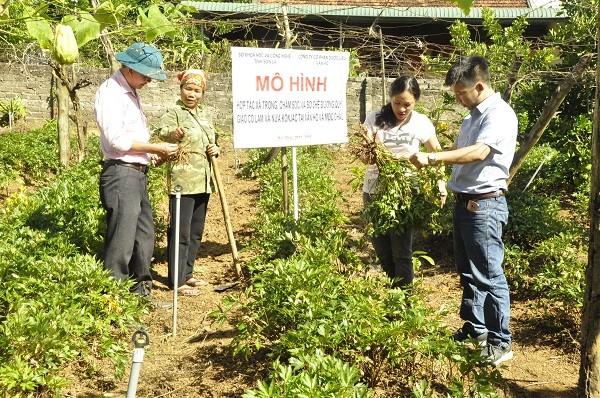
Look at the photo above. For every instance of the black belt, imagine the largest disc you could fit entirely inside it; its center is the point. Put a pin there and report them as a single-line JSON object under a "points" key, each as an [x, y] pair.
{"points": [[143, 168], [465, 197]]}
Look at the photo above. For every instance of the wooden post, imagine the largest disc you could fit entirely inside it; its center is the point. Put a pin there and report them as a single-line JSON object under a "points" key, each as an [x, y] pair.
{"points": [[225, 208], [383, 80], [284, 162]]}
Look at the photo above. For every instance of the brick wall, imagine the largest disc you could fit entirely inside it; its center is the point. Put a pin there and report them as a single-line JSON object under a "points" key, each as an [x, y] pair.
{"points": [[33, 84]]}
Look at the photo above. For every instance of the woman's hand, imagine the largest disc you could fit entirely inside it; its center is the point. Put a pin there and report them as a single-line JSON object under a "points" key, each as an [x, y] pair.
{"points": [[179, 133], [443, 192], [212, 150]]}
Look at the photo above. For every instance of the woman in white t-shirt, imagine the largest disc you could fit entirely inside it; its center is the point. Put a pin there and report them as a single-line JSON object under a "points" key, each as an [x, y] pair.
{"points": [[402, 130]]}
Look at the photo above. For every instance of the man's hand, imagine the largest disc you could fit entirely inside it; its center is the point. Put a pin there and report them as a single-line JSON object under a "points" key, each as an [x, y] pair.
{"points": [[165, 149], [157, 160]]}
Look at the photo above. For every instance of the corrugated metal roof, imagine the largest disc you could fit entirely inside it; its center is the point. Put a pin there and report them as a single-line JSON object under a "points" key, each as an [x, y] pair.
{"points": [[389, 13], [406, 3]]}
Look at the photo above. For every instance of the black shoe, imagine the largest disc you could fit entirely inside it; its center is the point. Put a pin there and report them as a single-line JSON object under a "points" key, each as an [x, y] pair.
{"points": [[496, 354], [461, 336]]}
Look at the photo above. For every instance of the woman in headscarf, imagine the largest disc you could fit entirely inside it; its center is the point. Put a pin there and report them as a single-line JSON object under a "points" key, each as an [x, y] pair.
{"points": [[189, 124]]}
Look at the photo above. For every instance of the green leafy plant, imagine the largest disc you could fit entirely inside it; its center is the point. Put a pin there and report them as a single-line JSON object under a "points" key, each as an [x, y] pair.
{"points": [[50, 239], [311, 375], [32, 154], [13, 110], [317, 299]]}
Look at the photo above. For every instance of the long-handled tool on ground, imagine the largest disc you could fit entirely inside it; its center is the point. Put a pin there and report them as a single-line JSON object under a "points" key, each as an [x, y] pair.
{"points": [[140, 341], [178, 189], [225, 207]]}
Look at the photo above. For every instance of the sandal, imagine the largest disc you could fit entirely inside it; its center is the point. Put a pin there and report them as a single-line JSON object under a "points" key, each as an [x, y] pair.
{"points": [[193, 282], [186, 290]]}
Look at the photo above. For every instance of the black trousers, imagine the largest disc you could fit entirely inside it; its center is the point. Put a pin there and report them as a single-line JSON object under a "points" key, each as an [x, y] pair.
{"points": [[129, 239], [394, 251], [192, 217]]}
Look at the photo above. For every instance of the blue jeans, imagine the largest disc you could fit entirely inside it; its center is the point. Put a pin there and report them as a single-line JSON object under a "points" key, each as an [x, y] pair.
{"points": [[394, 251], [479, 253]]}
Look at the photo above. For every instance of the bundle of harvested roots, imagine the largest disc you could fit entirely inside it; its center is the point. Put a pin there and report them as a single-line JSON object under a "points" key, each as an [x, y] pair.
{"points": [[368, 148], [183, 153]]}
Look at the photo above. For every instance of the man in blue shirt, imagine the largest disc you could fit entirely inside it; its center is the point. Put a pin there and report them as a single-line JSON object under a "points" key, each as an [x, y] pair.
{"points": [[481, 157]]}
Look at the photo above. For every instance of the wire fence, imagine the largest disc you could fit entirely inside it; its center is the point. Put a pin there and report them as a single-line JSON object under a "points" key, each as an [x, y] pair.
{"points": [[376, 49]]}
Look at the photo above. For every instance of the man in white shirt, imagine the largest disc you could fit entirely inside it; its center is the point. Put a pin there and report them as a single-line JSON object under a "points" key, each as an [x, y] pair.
{"points": [[127, 153]]}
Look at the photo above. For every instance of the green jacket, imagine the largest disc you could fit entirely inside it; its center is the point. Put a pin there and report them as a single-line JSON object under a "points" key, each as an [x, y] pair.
{"points": [[191, 168]]}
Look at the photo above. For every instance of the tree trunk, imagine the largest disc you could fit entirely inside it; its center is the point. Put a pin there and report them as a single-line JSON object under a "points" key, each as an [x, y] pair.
{"points": [[81, 130], [589, 370], [62, 96], [70, 84], [547, 114]]}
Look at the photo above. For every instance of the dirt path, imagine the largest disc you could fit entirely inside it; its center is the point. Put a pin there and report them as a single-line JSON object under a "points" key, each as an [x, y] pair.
{"points": [[198, 363]]}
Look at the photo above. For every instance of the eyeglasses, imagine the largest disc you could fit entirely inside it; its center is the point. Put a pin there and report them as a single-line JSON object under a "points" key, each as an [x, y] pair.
{"points": [[463, 93]]}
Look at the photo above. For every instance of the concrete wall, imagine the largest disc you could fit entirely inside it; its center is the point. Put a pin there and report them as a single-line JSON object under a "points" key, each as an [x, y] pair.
{"points": [[33, 83]]}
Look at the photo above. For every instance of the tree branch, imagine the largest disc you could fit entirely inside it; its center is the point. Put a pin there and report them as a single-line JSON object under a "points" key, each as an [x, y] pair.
{"points": [[548, 113]]}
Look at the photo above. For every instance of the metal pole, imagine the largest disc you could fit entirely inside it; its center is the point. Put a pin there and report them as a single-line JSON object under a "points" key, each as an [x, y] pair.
{"points": [[284, 162], [140, 341], [284, 181], [295, 182], [178, 189]]}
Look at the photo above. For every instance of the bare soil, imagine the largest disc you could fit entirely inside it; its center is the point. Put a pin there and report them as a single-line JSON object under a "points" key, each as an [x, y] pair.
{"points": [[196, 361]]}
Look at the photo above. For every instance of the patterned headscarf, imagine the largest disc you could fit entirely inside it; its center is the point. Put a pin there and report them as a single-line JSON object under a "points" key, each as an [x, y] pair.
{"points": [[194, 76]]}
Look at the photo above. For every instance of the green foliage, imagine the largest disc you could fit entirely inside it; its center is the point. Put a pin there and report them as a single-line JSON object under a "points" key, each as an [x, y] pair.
{"points": [[13, 110], [496, 40], [38, 270], [560, 263], [305, 304], [256, 159], [33, 155], [533, 218], [316, 308], [465, 5], [311, 375], [50, 239], [70, 207], [545, 252], [405, 196], [540, 172], [318, 213], [38, 22], [553, 272]]}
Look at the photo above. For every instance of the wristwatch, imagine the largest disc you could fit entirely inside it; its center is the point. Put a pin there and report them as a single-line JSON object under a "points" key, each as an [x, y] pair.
{"points": [[431, 158]]}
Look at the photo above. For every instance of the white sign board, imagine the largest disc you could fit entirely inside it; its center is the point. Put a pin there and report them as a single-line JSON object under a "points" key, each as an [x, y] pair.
{"points": [[288, 97]]}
